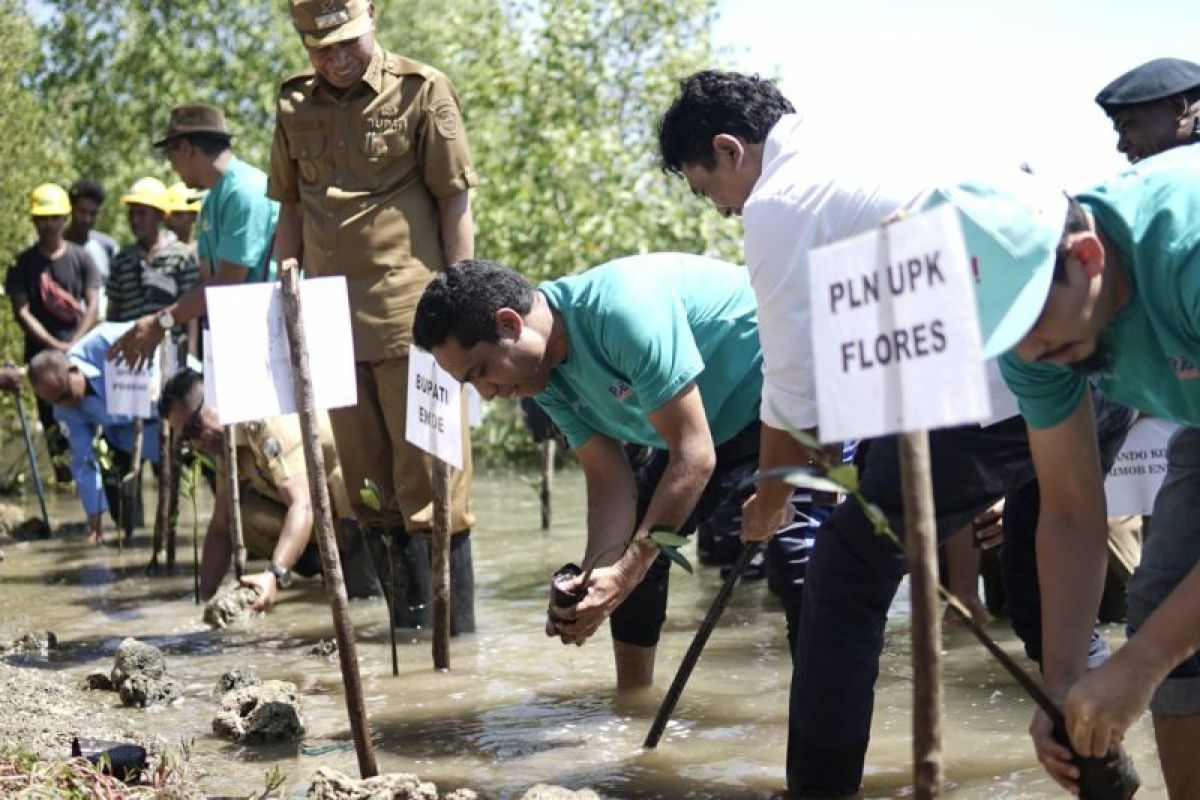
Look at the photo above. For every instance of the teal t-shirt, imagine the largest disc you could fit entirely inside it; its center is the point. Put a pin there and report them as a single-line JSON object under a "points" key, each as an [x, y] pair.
{"points": [[639, 329], [237, 222], [1151, 214]]}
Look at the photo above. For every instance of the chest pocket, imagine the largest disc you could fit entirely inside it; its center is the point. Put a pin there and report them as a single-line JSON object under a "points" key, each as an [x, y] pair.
{"points": [[306, 147], [386, 144]]}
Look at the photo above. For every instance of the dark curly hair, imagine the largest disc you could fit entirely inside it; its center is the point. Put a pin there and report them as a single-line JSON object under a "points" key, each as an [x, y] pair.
{"points": [[85, 188], [711, 103], [462, 300], [178, 390]]}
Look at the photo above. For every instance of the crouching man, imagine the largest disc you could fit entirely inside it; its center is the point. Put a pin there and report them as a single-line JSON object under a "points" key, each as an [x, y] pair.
{"points": [[657, 350], [276, 506]]}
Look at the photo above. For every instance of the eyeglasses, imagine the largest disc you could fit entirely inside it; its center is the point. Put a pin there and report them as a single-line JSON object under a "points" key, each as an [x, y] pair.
{"points": [[191, 428]]}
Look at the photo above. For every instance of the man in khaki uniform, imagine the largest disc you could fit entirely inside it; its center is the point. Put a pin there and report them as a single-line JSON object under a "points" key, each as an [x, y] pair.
{"points": [[274, 498], [371, 167]]}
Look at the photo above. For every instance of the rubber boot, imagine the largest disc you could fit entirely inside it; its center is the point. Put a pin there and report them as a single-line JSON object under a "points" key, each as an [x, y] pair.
{"points": [[412, 580], [462, 584], [358, 566]]}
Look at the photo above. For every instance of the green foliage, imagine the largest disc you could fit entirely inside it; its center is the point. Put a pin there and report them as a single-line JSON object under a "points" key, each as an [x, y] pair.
{"points": [[32, 153], [370, 495], [669, 542], [561, 99]]}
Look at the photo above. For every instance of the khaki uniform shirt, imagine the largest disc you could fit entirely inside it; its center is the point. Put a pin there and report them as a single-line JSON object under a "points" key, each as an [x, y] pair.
{"points": [[271, 451], [367, 167]]}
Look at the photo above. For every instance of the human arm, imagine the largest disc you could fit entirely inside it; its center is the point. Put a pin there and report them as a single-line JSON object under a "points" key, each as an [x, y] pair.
{"points": [[767, 509], [218, 547], [91, 315], [1072, 559], [35, 328], [1104, 703], [289, 240], [293, 538], [138, 344], [457, 227], [683, 426]]}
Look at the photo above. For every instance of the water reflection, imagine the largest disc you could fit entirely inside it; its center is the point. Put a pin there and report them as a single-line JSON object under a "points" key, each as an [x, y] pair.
{"points": [[517, 708]]}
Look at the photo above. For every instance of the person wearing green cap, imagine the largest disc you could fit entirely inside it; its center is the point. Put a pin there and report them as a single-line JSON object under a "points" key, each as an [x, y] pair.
{"points": [[156, 268], [737, 140], [1102, 293]]}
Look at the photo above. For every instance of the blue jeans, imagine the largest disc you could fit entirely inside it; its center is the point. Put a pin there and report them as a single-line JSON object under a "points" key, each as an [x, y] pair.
{"points": [[853, 575]]}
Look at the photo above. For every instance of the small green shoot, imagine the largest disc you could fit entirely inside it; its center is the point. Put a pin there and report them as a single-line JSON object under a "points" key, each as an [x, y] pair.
{"points": [[669, 542], [370, 495]]}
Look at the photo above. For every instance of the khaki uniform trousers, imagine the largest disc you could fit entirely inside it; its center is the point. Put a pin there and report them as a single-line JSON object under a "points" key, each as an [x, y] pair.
{"points": [[371, 444]]}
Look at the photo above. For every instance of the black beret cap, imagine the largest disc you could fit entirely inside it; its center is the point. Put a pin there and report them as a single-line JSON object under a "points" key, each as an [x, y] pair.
{"points": [[1154, 80]]}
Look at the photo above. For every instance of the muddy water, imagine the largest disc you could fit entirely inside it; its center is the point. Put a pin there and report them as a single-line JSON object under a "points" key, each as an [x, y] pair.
{"points": [[517, 708]]}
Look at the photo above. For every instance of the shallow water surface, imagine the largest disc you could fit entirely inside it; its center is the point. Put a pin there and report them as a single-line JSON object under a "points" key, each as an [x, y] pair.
{"points": [[516, 708]]}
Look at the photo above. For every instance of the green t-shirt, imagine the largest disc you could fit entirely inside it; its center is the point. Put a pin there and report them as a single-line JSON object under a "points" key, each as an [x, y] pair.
{"points": [[639, 329], [1151, 214], [237, 222]]}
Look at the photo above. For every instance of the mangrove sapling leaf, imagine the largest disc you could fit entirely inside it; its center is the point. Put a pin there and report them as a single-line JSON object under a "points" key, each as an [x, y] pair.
{"points": [[801, 478], [664, 536], [370, 495], [679, 558], [844, 475]]}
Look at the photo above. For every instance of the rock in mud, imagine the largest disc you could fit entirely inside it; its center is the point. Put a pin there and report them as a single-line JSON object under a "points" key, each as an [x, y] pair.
{"points": [[230, 605], [325, 648], [544, 791], [32, 528], [462, 794], [10, 517], [267, 712], [142, 691], [30, 642], [98, 681], [137, 658], [235, 679], [329, 784]]}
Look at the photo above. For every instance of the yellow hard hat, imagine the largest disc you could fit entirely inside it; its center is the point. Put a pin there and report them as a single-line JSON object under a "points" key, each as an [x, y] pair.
{"points": [[49, 200], [181, 198], [148, 192]]}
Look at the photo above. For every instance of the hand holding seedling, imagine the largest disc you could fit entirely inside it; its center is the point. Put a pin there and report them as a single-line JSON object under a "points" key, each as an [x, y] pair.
{"points": [[606, 588]]}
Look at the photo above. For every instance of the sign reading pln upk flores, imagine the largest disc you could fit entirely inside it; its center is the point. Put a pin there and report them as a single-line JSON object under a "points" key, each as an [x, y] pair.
{"points": [[896, 342]]}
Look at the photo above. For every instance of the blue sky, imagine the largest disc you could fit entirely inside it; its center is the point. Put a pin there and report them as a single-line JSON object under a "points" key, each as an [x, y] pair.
{"points": [[993, 84]]}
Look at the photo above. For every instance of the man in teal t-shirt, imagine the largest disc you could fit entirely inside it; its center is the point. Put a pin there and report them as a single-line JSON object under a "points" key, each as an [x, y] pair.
{"points": [[1103, 291], [236, 224], [659, 350]]}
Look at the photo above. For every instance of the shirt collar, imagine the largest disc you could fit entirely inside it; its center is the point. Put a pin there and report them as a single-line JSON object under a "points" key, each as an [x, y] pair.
{"points": [[780, 142]]}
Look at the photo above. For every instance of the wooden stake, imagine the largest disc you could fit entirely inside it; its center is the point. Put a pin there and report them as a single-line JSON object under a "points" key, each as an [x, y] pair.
{"points": [[175, 459], [235, 504], [441, 563], [162, 510], [921, 550], [331, 564], [131, 485], [33, 466], [548, 448]]}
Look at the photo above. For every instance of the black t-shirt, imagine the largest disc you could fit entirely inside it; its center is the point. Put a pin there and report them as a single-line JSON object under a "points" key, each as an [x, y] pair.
{"points": [[74, 271]]}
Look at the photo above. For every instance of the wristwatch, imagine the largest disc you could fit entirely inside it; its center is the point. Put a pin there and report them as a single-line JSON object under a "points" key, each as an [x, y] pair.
{"points": [[283, 576], [166, 320]]}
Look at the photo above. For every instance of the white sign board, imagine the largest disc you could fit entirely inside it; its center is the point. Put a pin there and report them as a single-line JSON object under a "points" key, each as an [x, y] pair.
{"points": [[1133, 481], [896, 341], [252, 376], [434, 421], [130, 393], [209, 372]]}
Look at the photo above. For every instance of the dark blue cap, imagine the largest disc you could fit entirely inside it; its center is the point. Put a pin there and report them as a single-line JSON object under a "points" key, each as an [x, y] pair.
{"points": [[1154, 80]]}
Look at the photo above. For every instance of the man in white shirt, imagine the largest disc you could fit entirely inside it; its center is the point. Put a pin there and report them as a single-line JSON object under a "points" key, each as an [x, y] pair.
{"points": [[737, 141]]}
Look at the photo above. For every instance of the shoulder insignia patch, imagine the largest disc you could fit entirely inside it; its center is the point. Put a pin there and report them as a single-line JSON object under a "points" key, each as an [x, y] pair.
{"points": [[445, 117]]}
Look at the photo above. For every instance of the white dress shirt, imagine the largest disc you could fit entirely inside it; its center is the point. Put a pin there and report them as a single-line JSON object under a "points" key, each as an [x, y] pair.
{"points": [[808, 195]]}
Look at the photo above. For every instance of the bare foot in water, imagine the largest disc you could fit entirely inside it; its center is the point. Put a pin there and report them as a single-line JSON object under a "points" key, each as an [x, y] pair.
{"points": [[93, 538]]}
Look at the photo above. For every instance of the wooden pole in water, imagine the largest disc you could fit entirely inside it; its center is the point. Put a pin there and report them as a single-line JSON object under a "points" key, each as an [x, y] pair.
{"points": [[235, 504], [164, 472], [131, 485], [921, 550], [441, 563], [548, 448], [331, 564]]}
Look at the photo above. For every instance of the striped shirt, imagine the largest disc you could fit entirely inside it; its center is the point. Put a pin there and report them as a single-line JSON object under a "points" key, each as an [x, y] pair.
{"points": [[137, 286]]}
